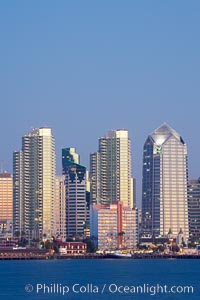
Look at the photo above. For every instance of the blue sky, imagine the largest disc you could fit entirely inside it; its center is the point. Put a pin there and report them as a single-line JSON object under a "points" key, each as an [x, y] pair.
{"points": [[84, 67]]}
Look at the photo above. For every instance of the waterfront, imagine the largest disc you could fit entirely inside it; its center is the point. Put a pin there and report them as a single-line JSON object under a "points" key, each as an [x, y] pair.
{"points": [[55, 274], [42, 254]]}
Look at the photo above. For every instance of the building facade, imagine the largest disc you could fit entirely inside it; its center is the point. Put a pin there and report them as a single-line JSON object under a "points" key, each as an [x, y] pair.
{"points": [[76, 205], [71, 248], [194, 209], [114, 226], [34, 184], [164, 192], [110, 170], [95, 195], [60, 208], [18, 205], [6, 205]]}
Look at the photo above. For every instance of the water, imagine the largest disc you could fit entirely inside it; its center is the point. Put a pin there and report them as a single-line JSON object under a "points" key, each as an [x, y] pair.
{"points": [[16, 275]]}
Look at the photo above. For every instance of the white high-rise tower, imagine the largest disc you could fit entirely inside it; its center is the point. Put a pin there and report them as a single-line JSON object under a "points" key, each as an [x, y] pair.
{"points": [[34, 184], [110, 169]]}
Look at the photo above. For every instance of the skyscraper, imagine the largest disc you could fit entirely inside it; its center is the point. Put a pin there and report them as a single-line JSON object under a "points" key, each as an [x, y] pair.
{"points": [[69, 157], [60, 208], [194, 209], [76, 206], [95, 196], [110, 169], [34, 184], [164, 198], [18, 203]]}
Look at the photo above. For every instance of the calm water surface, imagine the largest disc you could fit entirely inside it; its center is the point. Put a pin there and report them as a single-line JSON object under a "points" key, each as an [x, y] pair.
{"points": [[51, 277]]}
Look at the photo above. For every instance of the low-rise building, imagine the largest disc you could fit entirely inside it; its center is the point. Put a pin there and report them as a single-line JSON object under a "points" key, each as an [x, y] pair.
{"points": [[6, 205], [71, 248], [114, 226]]}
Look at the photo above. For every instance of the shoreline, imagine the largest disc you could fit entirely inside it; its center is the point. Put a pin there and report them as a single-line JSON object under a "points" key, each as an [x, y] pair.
{"points": [[48, 256]]}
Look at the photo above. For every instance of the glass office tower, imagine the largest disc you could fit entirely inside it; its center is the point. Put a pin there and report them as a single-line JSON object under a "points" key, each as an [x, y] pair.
{"points": [[76, 205], [164, 198]]}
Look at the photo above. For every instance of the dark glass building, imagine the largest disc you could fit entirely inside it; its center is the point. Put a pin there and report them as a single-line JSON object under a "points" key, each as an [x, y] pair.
{"points": [[76, 205]]}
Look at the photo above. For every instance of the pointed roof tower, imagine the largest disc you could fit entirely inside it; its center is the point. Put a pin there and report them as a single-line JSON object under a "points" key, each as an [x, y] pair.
{"points": [[163, 133]]}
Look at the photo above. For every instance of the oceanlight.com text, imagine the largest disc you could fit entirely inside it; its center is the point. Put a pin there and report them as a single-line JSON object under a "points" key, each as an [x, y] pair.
{"points": [[108, 288]]}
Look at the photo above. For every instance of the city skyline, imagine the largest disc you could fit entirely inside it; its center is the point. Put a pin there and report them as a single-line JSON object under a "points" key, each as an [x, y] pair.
{"points": [[138, 183], [72, 73], [39, 196], [43, 203]]}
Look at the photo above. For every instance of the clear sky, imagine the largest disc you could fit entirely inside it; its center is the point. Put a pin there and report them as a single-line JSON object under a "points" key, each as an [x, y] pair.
{"points": [[84, 67]]}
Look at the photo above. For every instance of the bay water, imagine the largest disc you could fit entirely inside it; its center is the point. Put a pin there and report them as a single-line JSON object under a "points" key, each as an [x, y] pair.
{"points": [[106, 279]]}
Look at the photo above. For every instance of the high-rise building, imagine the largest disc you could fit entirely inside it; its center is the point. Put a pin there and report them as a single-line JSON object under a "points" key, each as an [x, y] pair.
{"points": [[76, 206], [95, 196], [18, 204], [6, 206], [194, 209], [114, 226], [60, 208], [69, 157], [133, 192], [164, 198], [110, 169], [34, 184], [87, 224]]}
